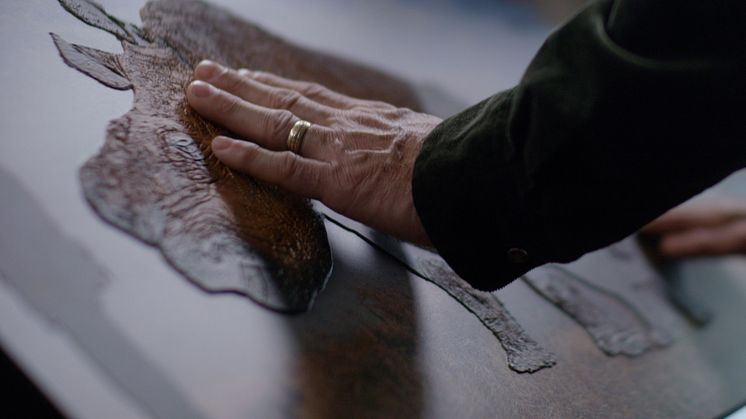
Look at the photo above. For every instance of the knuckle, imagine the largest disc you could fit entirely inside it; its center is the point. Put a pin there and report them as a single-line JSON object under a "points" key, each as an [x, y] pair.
{"points": [[227, 105], [231, 80], [313, 89], [333, 141], [369, 119], [284, 99], [349, 120], [223, 76], [289, 165], [247, 153], [279, 123], [336, 119]]}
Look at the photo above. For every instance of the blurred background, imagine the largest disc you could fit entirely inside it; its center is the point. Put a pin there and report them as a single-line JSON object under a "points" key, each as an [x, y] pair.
{"points": [[457, 51]]}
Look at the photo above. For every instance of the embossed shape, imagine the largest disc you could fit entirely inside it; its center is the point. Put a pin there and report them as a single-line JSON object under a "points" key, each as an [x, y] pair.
{"points": [[523, 353], [616, 327], [155, 177]]}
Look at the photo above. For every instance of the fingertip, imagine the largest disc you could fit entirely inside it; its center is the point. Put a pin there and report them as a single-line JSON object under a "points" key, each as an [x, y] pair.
{"points": [[207, 70], [198, 89], [224, 149], [220, 144], [232, 151], [237, 154]]}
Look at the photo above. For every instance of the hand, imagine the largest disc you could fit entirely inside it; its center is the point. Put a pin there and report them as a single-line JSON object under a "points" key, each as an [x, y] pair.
{"points": [[356, 158], [716, 227]]}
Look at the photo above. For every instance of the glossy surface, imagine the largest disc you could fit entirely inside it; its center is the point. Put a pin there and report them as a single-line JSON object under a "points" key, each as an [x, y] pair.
{"points": [[379, 341]]}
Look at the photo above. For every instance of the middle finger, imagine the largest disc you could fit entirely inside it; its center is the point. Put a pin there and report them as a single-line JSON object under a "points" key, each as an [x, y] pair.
{"points": [[262, 94]]}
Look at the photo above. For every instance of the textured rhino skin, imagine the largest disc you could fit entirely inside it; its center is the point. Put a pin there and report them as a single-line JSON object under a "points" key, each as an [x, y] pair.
{"points": [[155, 177]]}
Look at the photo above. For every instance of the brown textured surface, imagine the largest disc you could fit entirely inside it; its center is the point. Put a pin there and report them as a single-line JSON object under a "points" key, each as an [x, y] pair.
{"points": [[155, 178]]}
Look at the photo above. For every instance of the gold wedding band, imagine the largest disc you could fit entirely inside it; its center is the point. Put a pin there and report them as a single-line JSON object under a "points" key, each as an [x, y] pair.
{"points": [[295, 138]]}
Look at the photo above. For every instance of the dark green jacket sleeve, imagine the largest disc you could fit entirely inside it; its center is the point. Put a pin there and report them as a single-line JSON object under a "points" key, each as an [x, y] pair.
{"points": [[629, 109]]}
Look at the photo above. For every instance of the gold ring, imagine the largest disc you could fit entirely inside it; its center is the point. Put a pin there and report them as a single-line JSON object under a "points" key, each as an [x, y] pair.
{"points": [[295, 138]]}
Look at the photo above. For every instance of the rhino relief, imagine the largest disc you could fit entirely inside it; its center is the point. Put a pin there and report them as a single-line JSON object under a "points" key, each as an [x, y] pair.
{"points": [[154, 177]]}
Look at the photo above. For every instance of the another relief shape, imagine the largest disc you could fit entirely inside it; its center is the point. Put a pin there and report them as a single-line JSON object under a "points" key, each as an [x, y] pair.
{"points": [[615, 326], [523, 353], [155, 177]]}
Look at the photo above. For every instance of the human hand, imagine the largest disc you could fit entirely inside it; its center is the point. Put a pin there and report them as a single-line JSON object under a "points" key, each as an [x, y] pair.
{"points": [[357, 157], [716, 227]]}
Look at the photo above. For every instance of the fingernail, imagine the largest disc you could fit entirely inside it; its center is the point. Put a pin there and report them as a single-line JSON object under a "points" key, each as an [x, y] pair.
{"points": [[244, 72], [221, 143], [200, 88], [207, 69]]}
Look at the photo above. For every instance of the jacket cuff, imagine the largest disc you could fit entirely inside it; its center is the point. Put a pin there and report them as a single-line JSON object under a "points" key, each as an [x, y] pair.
{"points": [[468, 189]]}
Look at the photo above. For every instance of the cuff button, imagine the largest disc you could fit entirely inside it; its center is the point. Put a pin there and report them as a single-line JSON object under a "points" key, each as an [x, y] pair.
{"points": [[518, 255]]}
